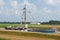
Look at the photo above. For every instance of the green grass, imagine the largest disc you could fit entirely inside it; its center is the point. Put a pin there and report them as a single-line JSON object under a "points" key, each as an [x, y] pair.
{"points": [[4, 25], [30, 25], [27, 34], [3, 39]]}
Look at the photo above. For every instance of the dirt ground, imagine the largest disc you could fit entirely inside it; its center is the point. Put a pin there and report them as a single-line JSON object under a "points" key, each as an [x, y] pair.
{"points": [[14, 37]]}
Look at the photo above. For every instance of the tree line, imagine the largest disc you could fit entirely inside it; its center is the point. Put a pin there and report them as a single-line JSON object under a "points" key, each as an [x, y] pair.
{"points": [[14, 22], [54, 22]]}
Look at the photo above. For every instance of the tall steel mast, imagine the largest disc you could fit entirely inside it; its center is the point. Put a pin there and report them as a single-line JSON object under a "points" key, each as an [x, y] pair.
{"points": [[24, 15]]}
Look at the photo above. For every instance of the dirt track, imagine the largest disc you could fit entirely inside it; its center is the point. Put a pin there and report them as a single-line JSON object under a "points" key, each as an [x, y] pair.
{"points": [[14, 37]]}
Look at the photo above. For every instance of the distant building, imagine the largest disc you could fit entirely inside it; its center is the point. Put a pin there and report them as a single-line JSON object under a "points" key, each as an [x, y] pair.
{"points": [[35, 23], [38, 23]]}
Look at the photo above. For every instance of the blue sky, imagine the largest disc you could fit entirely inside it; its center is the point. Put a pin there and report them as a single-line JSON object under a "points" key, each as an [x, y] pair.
{"points": [[37, 10]]}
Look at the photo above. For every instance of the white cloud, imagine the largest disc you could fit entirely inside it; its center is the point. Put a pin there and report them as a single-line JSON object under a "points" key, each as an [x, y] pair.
{"points": [[51, 2], [17, 9], [48, 14], [14, 10], [1, 3], [0, 11], [14, 3], [55, 2], [46, 10], [31, 7]]}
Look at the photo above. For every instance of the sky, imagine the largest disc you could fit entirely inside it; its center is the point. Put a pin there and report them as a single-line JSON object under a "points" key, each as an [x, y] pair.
{"points": [[37, 10]]}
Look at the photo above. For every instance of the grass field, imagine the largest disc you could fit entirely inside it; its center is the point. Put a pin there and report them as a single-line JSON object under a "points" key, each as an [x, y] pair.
{"points": [[29, 25]]}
